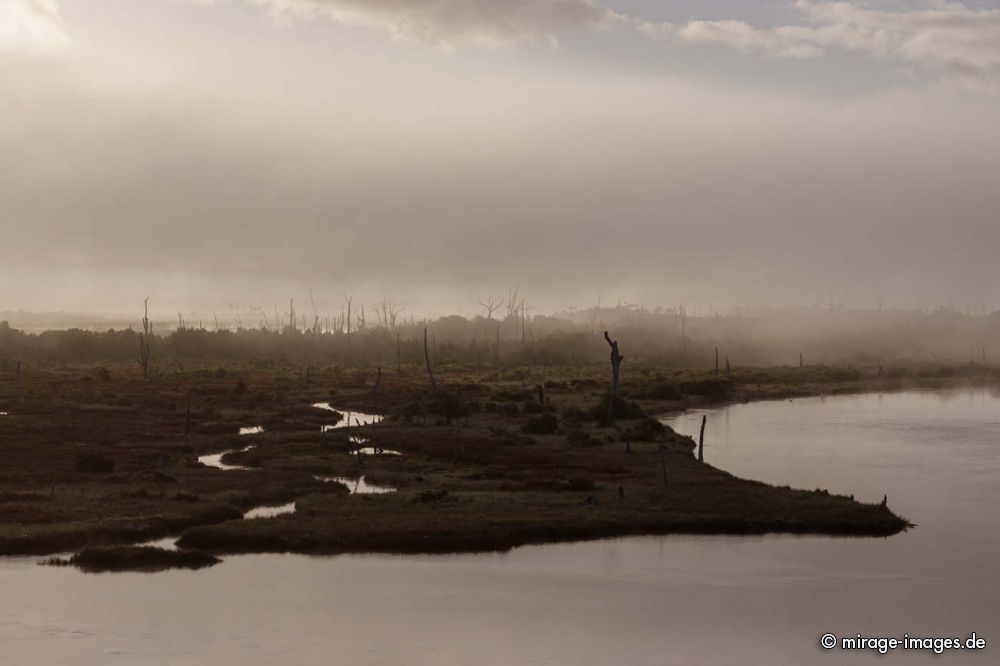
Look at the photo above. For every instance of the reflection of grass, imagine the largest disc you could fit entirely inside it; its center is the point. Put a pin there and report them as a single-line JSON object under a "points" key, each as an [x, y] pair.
{"points": [[483, 466], [136, 558]]}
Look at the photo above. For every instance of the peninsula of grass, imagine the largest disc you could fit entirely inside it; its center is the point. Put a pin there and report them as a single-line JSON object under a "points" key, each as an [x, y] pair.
{"points": [[98, 456]]}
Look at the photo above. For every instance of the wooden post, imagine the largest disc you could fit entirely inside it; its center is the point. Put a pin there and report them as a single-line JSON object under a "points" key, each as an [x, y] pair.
{"points": [[701, 439], [144, 339], [728, 370], [801, 362], [716, 360], [427, 358]]}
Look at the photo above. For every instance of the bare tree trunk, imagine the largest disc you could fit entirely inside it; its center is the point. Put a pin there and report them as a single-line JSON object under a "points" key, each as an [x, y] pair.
{"points": [[701, 439], [616, 365], [427, 358], [716, 360], [378, 381], [728, 369], [801, 361]]}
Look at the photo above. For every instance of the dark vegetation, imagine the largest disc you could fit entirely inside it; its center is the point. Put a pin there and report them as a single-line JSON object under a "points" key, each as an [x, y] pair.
{"points": [[135, 558], [496, 454]]}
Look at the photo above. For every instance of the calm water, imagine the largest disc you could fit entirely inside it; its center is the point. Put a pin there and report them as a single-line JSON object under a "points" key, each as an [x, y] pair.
{"points": [[655, 601]]}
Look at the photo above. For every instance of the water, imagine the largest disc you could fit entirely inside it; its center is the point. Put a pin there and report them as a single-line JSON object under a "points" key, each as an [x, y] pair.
{"points": [[357, 486], [269, 511], [347, 418], [215, 459], [252, 430], [372, 451], [639, 601]]}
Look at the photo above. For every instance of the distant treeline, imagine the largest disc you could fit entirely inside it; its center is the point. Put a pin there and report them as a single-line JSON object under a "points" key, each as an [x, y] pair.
{"points": [[766, 336]]}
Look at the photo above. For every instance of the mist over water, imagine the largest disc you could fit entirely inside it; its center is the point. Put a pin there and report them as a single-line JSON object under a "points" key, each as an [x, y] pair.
{"points": [[235, 154], [289, 200]]}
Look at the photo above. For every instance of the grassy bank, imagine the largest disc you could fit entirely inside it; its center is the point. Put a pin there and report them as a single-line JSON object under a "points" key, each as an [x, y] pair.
{"points": [[102, 457]]}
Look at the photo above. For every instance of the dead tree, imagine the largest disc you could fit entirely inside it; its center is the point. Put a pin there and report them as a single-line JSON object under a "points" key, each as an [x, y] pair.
{"points": [[701, 439], [348, 300], [427, 358], [144, 339], [378, 380], [312, 301], [514, 302], [491, 306], [728, 369], [616, 366], [387, 313], [716, 360], [523, 319], [801, 360]]}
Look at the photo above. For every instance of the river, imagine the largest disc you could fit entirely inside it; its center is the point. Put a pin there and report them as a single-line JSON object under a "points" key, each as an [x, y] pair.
{"points": [[652, 600]]}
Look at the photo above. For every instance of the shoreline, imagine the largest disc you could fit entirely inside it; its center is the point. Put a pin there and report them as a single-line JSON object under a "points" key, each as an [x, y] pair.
{"points": [[484, 467]]}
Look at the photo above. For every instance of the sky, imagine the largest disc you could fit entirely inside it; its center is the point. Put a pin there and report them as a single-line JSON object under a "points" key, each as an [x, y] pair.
{"points": [[217, 154]]}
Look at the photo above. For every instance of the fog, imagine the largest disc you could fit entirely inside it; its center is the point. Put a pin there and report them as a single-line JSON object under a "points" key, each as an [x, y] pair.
{"points": [[230, 155]]}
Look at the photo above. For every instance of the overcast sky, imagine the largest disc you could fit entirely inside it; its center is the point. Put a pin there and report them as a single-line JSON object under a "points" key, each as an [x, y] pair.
{"points": [[210, 153]]}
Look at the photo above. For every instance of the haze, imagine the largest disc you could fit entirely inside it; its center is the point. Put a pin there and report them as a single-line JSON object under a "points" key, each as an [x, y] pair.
{"points": [[207, 154]]}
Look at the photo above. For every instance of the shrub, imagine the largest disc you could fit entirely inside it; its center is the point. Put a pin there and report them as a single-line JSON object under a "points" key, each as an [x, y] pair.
{"points": [[542, 424]]}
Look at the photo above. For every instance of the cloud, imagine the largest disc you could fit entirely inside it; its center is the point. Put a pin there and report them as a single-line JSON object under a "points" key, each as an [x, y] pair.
{"points": [[446, 24], [30, 25], [947, 37]]}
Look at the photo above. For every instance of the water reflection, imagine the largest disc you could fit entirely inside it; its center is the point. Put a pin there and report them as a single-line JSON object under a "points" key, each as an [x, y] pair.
{"points": [[374, 451], [215, 459], [348, 418], [676, 600], [357, 486], [269, 511]]}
